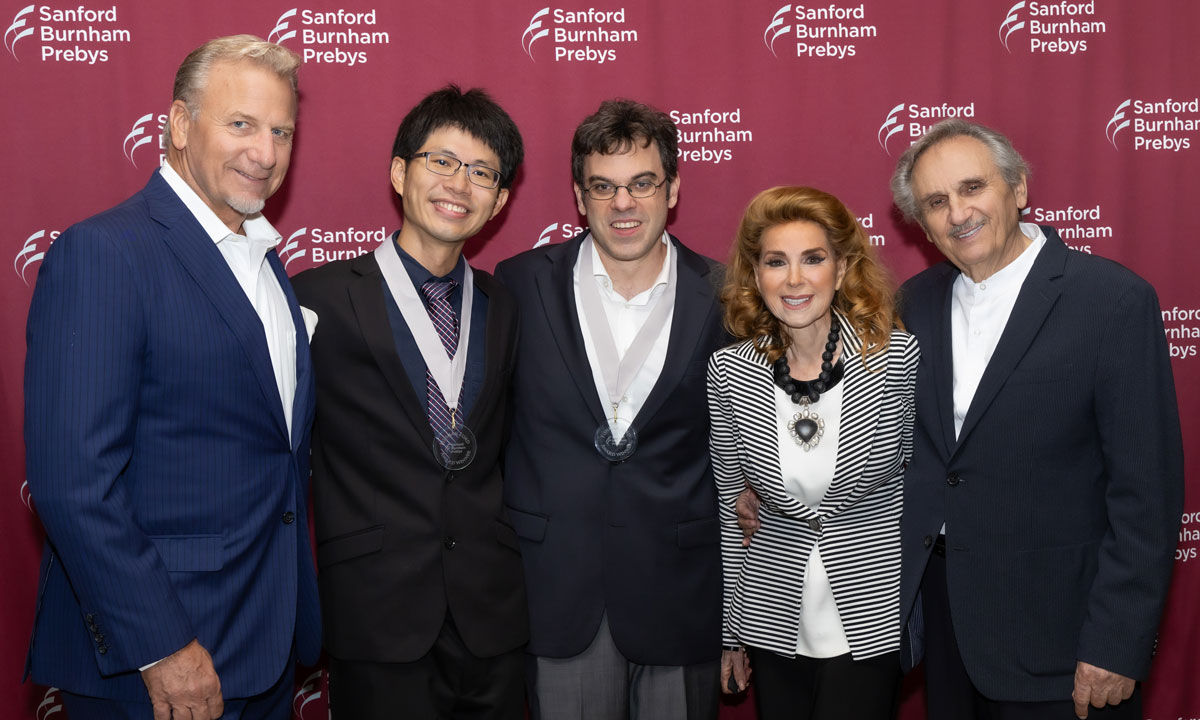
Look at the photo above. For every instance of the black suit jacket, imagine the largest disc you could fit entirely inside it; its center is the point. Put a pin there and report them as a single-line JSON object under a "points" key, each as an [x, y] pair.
{"points": [[400, 539], [638, 538], [1063, 492]]}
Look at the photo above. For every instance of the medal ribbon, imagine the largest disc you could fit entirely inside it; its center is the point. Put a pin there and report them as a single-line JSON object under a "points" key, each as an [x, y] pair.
{"points": [[618, 374], [448, 372]]}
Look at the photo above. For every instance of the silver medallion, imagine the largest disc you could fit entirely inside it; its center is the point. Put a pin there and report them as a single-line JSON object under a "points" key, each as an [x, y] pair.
{"points": [[454, 448], [616, 440]]}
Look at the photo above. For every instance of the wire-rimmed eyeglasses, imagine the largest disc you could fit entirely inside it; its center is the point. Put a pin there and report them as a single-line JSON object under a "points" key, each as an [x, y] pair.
{"points": [[636, 189], [443, 164]]}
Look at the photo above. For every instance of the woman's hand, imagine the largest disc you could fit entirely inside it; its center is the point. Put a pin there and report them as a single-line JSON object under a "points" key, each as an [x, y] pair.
{"points": [[735, 671]]}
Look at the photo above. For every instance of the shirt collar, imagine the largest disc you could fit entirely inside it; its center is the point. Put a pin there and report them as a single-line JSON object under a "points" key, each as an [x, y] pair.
{"points": [[1010, 277], [419, 274], [255, 227], [602, 276]]}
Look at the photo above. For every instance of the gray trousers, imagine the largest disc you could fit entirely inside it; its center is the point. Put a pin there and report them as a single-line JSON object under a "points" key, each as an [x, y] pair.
{"points": [[600, 684]]}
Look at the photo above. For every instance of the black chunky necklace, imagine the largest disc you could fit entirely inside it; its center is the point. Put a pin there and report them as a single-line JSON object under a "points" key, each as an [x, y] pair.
{"points": [[807, 427]]}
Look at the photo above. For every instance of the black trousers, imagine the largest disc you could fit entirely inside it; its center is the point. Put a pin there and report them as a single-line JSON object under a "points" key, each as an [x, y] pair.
{"points": [[448, 682], [836, 688], [949, 692]]}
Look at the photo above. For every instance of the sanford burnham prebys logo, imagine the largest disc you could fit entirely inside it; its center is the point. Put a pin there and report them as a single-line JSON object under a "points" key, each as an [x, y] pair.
{"points": [[338, 37], [710, 136], [912, 120], [146, 130], [1058, 28], [322, 245], [1164, 125], [587, 36], [833, 31], [29, 257], [80, 34]]}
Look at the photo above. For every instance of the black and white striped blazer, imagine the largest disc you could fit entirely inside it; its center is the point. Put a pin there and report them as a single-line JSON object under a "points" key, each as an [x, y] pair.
{"points": [[858, 521]]}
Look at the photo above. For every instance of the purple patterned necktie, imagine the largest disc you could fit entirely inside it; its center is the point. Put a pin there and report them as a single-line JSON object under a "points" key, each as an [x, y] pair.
{"points": [[446, 321]]}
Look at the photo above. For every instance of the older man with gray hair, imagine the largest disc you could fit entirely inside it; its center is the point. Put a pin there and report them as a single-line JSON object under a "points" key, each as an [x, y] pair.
{"points": [[1044, 495], [168, 399]]}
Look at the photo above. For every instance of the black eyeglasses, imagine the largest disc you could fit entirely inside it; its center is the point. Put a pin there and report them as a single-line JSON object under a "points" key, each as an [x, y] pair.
{"points": [[636, 189], [444, 164]]}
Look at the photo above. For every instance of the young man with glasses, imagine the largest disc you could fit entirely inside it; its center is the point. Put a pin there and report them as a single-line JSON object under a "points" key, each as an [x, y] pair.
{"points": [[420, 578], [607, 475]]}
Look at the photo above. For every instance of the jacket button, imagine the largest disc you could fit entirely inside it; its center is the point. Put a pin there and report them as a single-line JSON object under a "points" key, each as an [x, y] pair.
{"points": [[90, 618], [953, 479], [102, 649], [928, 541], [815, 524], [449, 543], [99, 638], [289, 517]]}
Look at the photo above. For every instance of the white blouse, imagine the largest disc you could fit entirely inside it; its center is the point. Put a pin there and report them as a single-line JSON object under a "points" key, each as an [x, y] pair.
{"points": [[807, 477]]}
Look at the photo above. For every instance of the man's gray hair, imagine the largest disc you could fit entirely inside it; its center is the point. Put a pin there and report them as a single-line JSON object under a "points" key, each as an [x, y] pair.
{"points": [[192, 76], [1008, 161]]}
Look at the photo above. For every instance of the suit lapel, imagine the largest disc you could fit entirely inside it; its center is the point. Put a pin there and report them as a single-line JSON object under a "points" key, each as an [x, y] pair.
{"points": [[1038, 294], [556, 287], [302, 402], [694, 301], [204, 263], [942, 358], [499, 319], [370, 309]]}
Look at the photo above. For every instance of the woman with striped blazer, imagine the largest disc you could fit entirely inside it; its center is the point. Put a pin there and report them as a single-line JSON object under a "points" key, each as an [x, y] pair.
{"points": [[813, 411]]}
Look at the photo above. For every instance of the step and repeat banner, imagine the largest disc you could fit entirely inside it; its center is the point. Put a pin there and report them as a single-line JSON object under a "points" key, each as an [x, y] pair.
{"points": [[1102, 97]]}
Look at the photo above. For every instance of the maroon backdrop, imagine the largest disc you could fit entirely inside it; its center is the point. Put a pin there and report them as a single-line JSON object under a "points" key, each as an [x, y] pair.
{"points": [[1100, 96]]}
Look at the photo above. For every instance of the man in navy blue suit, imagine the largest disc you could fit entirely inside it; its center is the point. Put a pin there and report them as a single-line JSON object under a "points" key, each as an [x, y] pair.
{"points": [[1043, 499], [168, 398]]}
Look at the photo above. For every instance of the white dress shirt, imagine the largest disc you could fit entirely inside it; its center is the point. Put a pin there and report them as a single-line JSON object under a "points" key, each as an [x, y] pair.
{"points": [[247, 259], [978, 314], [807, 477], [625, 319]]}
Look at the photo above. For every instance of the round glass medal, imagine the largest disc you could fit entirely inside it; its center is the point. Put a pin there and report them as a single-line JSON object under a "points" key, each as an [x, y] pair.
{"points": [[616, 440], [455, 448]]}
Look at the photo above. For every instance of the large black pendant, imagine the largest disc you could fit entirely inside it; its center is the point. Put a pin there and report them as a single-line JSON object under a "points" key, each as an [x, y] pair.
{"points": [[806, 427]]}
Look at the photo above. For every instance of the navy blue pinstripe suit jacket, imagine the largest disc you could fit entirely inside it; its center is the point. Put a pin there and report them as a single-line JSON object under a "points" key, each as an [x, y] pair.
{"points": [[174, 502]]}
